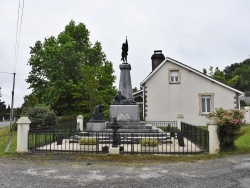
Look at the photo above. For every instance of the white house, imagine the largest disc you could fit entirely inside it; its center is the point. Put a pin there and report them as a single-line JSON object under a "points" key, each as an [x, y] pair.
{"points": [[173, 88]]}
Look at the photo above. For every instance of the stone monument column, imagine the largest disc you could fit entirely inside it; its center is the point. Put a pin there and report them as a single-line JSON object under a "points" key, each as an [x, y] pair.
{"points": [[125, 85], [124, 108]]}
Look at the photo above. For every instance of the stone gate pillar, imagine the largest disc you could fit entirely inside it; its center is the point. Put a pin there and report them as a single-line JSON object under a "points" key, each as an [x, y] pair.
{"points": [[247, 114], [79, 121], [23, 126], [180, 118], [214, 143]]}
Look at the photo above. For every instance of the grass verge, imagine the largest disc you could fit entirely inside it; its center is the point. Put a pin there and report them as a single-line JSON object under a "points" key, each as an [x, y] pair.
{"points": [[5, 136], [242, 144]]}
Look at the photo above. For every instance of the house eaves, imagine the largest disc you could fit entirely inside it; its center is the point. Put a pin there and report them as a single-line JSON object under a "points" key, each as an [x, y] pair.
{"points": [[190, 69], [138, 93]]}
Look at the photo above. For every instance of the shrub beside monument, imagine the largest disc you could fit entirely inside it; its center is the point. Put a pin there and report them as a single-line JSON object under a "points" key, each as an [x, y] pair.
{"points": [[229, 127]]}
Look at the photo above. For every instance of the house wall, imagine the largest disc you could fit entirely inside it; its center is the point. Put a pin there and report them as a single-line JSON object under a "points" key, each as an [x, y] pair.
{"points": [[165, 101]]}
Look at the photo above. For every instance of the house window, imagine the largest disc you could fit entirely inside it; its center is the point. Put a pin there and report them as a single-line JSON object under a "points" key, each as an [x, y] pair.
{"points": [[206, 103], [174, 76]]}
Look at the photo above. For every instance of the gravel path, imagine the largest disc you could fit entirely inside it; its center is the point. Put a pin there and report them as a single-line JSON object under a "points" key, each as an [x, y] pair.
{"points": [[226, 172]]}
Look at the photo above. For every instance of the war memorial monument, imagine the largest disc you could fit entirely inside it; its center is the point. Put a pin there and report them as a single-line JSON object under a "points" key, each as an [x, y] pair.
{"points": [[124, 113]]}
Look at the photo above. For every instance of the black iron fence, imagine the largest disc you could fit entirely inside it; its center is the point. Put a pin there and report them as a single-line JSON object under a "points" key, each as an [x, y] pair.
{"points": [[48, 134], [61, 127], [166, 126], [197, 135], [99, 142]]}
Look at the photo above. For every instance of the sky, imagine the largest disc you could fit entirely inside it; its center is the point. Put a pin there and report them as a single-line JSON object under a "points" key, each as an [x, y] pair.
{"points": [[197, 33]]}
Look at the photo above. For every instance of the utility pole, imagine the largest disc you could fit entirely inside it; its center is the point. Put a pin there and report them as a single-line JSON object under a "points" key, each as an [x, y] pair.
{"points": [[12, 101]]}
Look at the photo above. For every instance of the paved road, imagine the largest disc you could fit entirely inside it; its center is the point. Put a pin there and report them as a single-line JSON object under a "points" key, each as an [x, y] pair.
{"points": [[227, 172], [4, 124]]}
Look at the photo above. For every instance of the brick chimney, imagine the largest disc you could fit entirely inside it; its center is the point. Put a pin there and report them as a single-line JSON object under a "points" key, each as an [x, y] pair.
{"points": [[157, 58]]}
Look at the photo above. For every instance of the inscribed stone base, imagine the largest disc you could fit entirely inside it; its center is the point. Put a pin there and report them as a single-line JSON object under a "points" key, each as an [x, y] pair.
{"points": [[96, 126], [114, 151], [124, 113]]}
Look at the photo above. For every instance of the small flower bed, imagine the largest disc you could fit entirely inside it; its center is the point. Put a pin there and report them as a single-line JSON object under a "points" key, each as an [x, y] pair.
{"points": [[229, 129], [87, 141], [149, 142]]}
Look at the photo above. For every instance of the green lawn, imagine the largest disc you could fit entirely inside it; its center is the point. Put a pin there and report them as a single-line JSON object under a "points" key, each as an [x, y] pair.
{"points": [[243, 143]]}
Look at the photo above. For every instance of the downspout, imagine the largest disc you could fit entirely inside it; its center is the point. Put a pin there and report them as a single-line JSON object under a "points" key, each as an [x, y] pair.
{"points": [[239, 99], [143, 103]]}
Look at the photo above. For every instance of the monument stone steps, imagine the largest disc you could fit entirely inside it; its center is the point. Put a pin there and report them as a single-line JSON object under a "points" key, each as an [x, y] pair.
{"points": [[132, 125], [137, 134]]}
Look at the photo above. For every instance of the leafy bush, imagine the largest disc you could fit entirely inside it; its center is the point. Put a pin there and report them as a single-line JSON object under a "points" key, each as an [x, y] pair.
{"points": [[149, 142], [14, 126], [41, 117], [66, 119], [87, 141], [229, 129]]}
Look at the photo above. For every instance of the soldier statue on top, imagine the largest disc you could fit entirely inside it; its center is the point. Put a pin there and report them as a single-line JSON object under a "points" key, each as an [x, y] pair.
{"points": [[125, 52]]}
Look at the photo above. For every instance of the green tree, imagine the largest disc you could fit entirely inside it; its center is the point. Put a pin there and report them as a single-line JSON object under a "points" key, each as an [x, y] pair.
{"points": [[243, 72], [240, 71], [70, 74], [2, 107], [220, 76], [4, 112], [135, 89], [217, 74], [204, 71], [29, 101]]}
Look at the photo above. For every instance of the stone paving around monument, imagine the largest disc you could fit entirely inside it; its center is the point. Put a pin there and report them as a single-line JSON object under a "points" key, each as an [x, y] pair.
{"points": [[173, 147]]}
